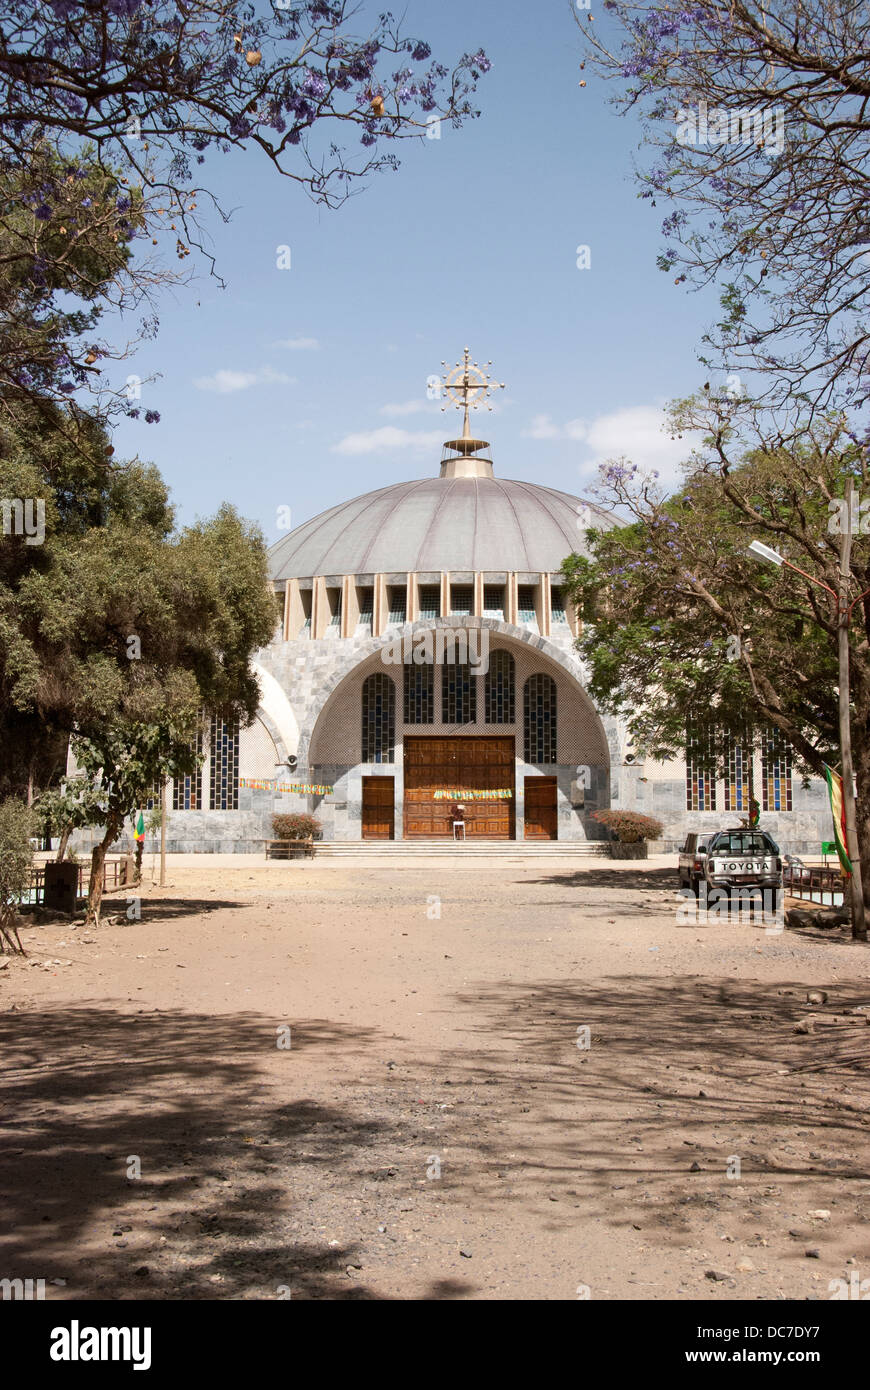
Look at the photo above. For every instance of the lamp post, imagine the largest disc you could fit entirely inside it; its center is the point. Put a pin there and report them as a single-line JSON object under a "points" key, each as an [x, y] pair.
{"points": [[844, 617]]}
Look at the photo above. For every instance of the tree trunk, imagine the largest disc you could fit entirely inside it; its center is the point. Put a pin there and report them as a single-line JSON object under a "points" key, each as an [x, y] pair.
{"points": [[140, 850], [861, 756], [98, 859], [61, 849]]}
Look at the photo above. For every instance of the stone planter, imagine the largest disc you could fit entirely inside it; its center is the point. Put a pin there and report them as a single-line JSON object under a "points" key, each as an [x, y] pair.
{"points": [[638, 850]]}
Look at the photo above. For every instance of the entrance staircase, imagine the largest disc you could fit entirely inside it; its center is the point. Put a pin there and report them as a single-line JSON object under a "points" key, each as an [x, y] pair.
{"points": [[470, 849]]}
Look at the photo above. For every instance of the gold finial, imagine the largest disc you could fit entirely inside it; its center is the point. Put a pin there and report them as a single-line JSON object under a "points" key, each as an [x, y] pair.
{"points": [[467, 386]]}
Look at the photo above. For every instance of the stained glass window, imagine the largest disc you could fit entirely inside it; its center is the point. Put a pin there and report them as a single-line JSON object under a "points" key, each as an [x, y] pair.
{"points": [[430, 601], [224, 779], [366, 608], [458, 693], [557, 606], [419, 701], [187, 791], [461, 600], [775, 771], [398, 605], [378, 719], [700, 770], [498, 689], [539, 726], [526, 614], [493, 601], [334, 601]]}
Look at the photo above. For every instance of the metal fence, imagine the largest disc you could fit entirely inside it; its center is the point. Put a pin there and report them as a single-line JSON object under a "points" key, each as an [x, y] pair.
{"points": [[815, 883], [117, 872]]}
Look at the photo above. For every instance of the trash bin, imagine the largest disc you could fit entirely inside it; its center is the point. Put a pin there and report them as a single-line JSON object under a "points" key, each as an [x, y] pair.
{"points": [[61, 887]]}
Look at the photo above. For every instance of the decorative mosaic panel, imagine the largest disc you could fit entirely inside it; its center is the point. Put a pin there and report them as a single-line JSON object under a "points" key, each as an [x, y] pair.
{"points": [[539, 719], [775, 771], [378, 720], [419, 694], [498, 689], [458, 693], [738, 760], [224, 772], [187, 791], [700, 770]]}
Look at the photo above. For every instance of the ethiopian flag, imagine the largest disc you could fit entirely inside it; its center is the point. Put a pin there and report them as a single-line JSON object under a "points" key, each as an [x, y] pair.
{"points": [[139, 829], [838, 811]]}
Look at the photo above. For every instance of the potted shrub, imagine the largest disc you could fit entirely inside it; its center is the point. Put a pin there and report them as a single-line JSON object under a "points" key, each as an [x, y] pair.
{"points": [[630, 830], [296, 826]]}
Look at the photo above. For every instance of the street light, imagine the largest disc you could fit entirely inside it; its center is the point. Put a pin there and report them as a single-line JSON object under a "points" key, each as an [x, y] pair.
{"points": [[844, 617], [764, 552]]}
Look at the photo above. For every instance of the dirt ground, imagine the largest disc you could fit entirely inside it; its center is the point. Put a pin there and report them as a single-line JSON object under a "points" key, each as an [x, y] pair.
{"points": [[433, 1130]]}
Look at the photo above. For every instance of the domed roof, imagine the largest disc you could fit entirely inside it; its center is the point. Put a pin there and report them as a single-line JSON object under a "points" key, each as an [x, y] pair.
{"points": [[446, 523]]}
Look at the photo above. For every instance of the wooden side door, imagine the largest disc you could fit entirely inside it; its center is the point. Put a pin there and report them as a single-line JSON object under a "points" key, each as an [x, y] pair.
{"points": [[378, 808], [540, 817]]}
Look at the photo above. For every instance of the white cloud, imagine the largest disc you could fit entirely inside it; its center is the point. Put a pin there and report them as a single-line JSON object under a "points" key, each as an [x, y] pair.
{"points": [[636, 432], [543, 428], [387, 437], [298, 344], [409, 407], [226, 381]]}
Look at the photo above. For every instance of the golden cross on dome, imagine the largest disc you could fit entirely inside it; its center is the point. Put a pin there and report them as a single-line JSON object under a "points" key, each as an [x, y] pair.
{"points": [[467, 386]]}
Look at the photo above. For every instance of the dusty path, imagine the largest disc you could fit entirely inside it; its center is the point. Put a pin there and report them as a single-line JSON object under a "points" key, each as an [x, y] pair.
{"points": [[422, 1044]]}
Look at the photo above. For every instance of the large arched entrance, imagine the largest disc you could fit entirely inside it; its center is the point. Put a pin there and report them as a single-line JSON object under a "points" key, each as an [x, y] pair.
{"points": [[505, 741]]}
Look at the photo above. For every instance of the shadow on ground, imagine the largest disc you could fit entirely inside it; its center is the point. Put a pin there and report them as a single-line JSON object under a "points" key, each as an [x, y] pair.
{"points": [[95, 1091]]}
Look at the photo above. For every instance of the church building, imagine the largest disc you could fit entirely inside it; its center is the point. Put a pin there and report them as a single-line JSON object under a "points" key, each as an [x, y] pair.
{"points": [[425, 660]]}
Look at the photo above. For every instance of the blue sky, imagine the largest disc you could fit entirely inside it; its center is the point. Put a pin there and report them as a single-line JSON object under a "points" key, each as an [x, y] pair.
{"points": [[299, 388]]}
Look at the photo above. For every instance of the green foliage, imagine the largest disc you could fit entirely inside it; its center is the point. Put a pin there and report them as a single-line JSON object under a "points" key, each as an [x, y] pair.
{"points": [[117, 618], [682, 626], [17, 825], [629, 826], [296, 826]]}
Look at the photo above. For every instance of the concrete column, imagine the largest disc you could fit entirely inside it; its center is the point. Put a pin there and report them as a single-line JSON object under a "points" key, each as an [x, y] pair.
{"points": [[477, 601], [510, 600], [412, 607], [319, 608], [544, 607], [445, 593], [349, 606], [379, 606]]}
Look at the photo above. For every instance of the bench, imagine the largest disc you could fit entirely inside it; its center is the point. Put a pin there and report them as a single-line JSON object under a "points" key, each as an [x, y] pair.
{"points": [[286, 849]]}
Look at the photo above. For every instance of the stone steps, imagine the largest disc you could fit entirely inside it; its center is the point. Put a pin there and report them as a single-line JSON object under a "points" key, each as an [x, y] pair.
{"points": [[473, 849]]}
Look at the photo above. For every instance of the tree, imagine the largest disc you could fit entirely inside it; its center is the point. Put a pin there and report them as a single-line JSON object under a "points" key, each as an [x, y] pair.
{"points": [[16, 858], [118, 629], [685, 629], [107, 107], [68, 807], [757, 114]]}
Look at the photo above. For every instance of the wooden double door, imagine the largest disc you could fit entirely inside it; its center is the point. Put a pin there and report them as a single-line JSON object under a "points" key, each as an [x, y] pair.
{"points": [[448, 764], [540, 816]]}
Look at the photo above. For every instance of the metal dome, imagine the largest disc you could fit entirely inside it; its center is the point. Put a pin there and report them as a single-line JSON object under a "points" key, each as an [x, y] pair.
{"points": [[446, 523]]}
